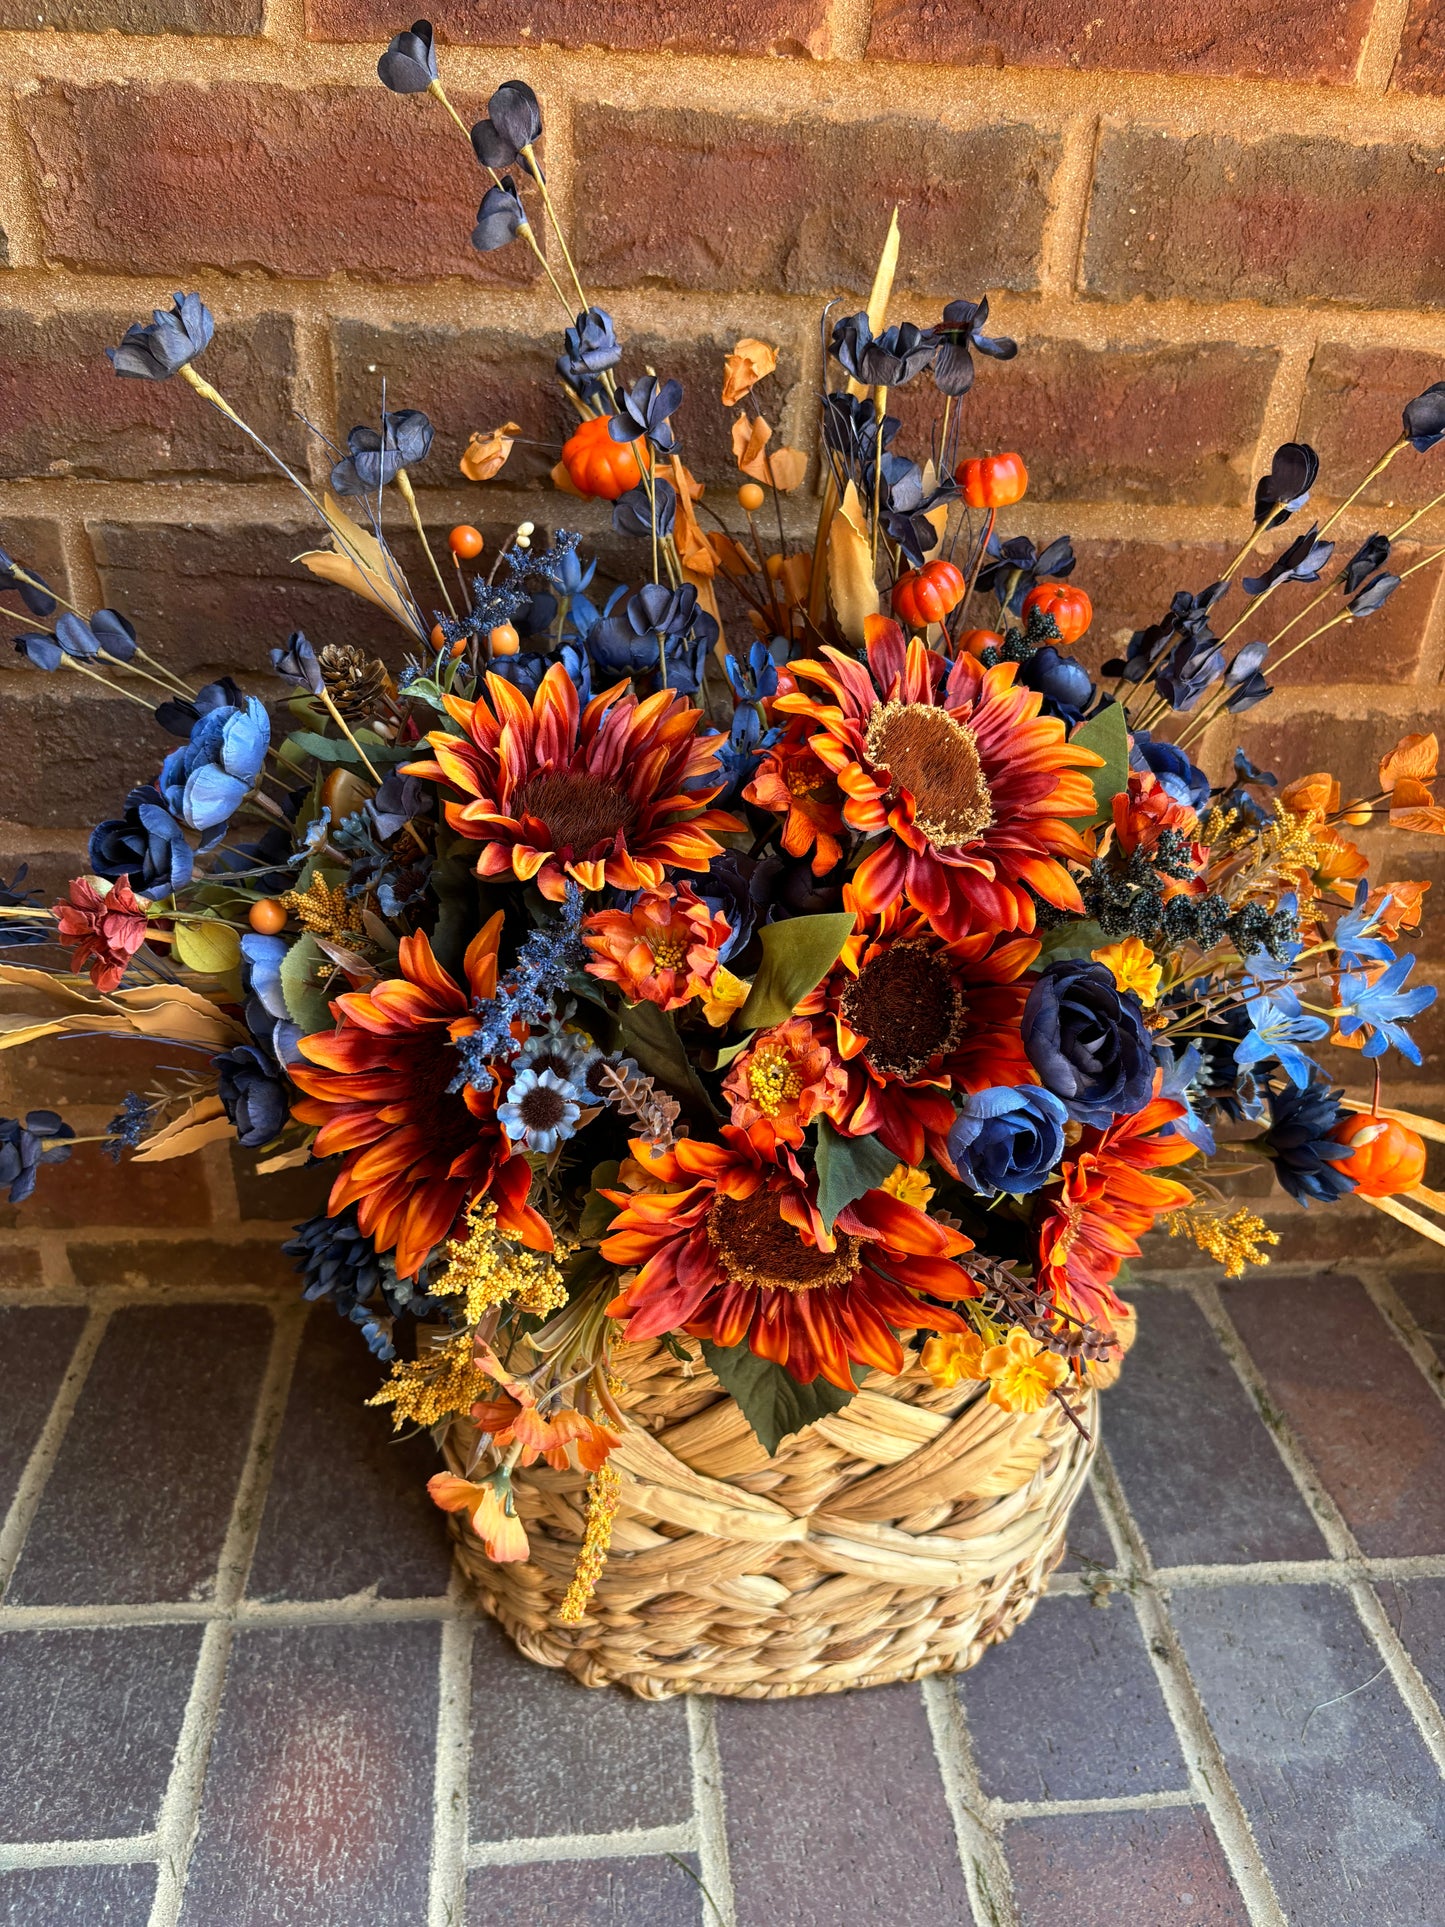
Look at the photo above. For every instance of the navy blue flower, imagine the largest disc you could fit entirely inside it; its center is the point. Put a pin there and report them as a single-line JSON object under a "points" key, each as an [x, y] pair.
{"points": [[25, 1147], [1177, 775], [960, 332], [179, 717], [409, 65], [1088, 1042], [1373, 553], [1191, 667], [1375, 594], [16, 933], [1287, 486], [1008, 1140], [513, 122], [1423, 419], [404, 439], [905, 504], [339, 1261], [1062, 680], [1244, 679], [882, 361], [32, 589], [157, 349], [588, 350], [298, 663], [632, 513], [1307, 1160], [254, 1094], [500, 218], [627, 642], [646, 408], [1014, 567], [146, 845], [1302, 561]]}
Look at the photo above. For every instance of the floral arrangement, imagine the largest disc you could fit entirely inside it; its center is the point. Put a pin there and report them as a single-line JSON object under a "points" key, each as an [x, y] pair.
{"points": [[853, 987]]}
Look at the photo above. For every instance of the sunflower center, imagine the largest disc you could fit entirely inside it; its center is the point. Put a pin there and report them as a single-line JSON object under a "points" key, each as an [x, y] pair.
{"points": [[756, 1247], [580, 812], [773, 1079], [935, 758], [541, 1108], [908, 1007]]}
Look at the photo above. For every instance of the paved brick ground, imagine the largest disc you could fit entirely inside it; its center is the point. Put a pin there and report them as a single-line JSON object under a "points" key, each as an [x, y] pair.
{"points": [[236, 1686]]}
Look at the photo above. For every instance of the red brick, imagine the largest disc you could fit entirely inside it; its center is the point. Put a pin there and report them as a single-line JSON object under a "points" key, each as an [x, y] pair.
{"points": [[1420, 68], [1119, 424], [475, 378], [70, 762], [800, 206], [1299, 40], [1351, 414], [88, 1189], [308, 182], [1131, 584], [1283, 219], [1097, 1869], [34, 542], [723, 27], [64, 413], [134, 16]]}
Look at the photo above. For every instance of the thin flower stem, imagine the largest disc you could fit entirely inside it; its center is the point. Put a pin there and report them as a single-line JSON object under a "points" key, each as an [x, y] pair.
{"points": [[403, 482], [818, 580], [69, 662], [23, 575], [880, 407], [341, 724], [973, 573], [530, 158], [1384, 462]]}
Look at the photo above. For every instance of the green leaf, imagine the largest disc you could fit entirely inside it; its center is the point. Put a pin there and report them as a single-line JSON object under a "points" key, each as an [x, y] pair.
{"points": [[847, 1167], [798, 953], [1107, 734], [207, 945], [773, 1403], [300, 969], [304, 743], [1077, 938], [648, 1034]]}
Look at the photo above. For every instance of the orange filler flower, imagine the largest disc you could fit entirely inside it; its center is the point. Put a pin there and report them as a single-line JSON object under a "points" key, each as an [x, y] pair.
{"points": [[971, 789], [663, 951], [614, 794]]}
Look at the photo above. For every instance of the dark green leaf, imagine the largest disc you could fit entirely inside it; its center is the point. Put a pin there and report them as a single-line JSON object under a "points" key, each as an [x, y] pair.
{"points": [[304, 743], [847, 1167], [1107, 734], [1077, 938], [649, 1035], [774, 1404], [300, 969], [798, 953]]}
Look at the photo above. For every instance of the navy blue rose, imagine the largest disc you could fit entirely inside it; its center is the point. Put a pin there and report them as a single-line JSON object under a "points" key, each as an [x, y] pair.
{"points": [[1182, 779], [1087, 1041], [253, 1092], [1065, 685], [1008, 1140]]}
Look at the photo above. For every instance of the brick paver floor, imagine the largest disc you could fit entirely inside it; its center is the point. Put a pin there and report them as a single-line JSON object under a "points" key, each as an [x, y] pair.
{"points": [[237, 1685]]}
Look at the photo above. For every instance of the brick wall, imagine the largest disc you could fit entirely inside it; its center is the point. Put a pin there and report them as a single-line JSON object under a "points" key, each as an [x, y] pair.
{"points": [[1211, 227]]}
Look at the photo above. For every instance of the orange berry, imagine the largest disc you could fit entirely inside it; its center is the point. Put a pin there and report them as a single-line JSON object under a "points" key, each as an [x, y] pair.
{"points": [[268, 917], [504, 640], [438, 636], [465, 542], [458, 648], [750, 497], [1358, 814]]}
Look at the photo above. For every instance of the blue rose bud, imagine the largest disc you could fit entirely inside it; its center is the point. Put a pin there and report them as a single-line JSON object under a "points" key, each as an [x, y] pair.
{"points": [[1008, 1140]]}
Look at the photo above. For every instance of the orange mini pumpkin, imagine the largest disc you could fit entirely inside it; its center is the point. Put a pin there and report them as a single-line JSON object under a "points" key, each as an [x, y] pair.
{"points": [[1070, 608], [992, 481], [1388, 1158], [973, 642], [597, 464], [925, 595]]}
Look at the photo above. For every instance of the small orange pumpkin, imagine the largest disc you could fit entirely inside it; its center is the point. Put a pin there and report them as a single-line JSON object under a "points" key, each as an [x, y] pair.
{"points": [[973, 642], [992, 481], [925, 595], [1070, 608], [597, 464], [1388, 1158]]}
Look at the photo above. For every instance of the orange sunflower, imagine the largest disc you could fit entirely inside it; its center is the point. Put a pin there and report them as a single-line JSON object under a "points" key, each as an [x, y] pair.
{"points": [[615, 793], [414, 1152], [917, 1016], [1107, 1200], [970, 788], [738, 1251]]}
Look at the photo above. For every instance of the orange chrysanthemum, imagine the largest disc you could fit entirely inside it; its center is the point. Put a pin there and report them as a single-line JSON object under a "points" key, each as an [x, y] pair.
{"points": [[916, 1017], [787, 1078], [738, 1251], [664, 950], [1107, 1200], [792, 781], [969, 786], [414, 1152], [613, 794]]}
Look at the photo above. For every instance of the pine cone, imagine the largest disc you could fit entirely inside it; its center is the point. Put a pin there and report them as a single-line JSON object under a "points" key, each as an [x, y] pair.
{"points": [[357, 683]]}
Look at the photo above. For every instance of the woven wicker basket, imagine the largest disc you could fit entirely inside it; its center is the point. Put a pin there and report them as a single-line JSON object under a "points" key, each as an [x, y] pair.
{"points": [[897, 1538]]}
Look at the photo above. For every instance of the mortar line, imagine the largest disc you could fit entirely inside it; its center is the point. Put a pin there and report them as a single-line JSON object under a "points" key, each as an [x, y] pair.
{"points": [[450, 1789], [709, 1808], [41, 1462], [180, 1814], [1061, 244], [361, 1607], [1203, 1756], [1404, 1326], [980, 1851], [118, 1849], [1381, 47], [1123, 1803], [1405, 1675], [679, 1839]]}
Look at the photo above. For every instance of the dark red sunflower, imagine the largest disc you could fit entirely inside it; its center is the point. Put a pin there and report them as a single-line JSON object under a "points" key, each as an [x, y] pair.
{"points": [[414, 1152], [734, 1249], [917, 1017], [970, 789]]}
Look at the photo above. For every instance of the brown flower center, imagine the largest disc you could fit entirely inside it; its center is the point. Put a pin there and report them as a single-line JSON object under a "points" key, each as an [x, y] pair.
{"points": [[935, 758], [756, 1247], [908, 1006], [541, 1108], [581, 813]]}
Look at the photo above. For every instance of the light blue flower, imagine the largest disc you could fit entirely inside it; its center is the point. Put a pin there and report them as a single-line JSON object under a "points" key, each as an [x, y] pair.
{"points": [[1278, 1023], [206, 780], [1378, 1007], [540, 1111], [1356, 932], [1179, 1085]]}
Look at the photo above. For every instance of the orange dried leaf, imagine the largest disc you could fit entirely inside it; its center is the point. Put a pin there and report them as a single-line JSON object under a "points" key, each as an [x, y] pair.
{"points": [[1317, 795], [751, 435], [486, 455], [748, 363], [1412, 807], [1415, 757], [785, 468], [1403, 910]]}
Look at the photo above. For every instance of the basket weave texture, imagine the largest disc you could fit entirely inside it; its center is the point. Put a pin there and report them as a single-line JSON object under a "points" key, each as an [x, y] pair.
{"points": [[898, 1537]]}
